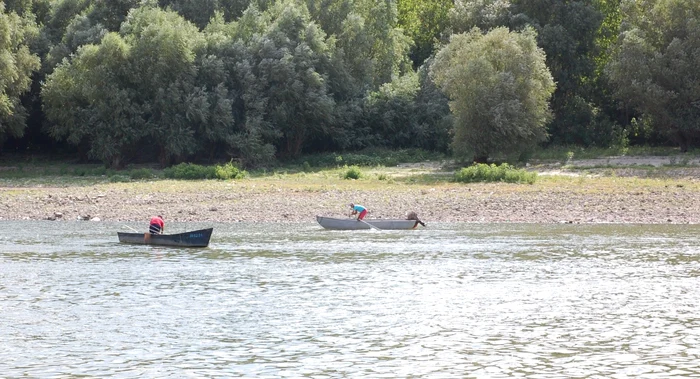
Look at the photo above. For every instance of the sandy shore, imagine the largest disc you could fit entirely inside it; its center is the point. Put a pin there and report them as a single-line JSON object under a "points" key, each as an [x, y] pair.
{"points": [[626, 197]]}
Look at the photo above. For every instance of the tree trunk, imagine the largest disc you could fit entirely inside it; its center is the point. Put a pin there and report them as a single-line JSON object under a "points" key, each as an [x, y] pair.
{"points": [[162, 157], [481, 159]]}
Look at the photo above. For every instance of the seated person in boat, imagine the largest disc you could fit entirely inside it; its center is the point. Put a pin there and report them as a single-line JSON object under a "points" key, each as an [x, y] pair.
{"points": [[358, 209], [157, 225]]}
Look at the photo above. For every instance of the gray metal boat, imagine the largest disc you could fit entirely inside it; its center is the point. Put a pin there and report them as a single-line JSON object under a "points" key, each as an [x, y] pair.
{"points": [[353, 224]]}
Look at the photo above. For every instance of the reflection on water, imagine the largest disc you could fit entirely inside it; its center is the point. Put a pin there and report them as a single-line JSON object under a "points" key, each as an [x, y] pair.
{"points": [[278, 300]]}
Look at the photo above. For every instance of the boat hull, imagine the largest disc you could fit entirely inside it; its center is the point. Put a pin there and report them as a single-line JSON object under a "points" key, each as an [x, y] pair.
{"points": [[352, 224], [196, 238]]}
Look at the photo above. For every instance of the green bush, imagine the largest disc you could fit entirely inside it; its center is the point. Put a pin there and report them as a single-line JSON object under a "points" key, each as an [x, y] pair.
{"points": [[79, 171], [190, 171], [228, 171], [353, 172], [491, 173], [141, 173], [119, 179], [368, 158], [86, 171]]}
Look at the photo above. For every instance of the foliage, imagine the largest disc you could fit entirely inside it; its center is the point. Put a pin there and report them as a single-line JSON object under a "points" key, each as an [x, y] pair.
{"points": [[268, 81], [574, 35], [141, 173], [119, 178], [84, 101], [136, 88], [228, 171], [397, 116], [369, 158], [423, 21], [498, 87], [481, 172], [654, 66], [352, 172], [483, 14], [190, 171], [17, 63]]}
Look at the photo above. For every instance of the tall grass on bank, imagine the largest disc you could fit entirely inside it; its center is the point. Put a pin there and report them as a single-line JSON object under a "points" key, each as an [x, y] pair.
{"points": [[491, 173]]}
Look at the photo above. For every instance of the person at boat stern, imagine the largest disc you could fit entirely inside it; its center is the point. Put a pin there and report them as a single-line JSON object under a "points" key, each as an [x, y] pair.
{"points": [[157, 225], [358, 209]]}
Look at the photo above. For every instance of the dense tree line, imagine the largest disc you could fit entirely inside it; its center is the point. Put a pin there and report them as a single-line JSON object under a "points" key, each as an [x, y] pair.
{"points": [[121, 81]]}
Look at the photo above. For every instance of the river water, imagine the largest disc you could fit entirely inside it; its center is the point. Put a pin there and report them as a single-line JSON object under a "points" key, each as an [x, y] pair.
{"points": [[294, 300]]}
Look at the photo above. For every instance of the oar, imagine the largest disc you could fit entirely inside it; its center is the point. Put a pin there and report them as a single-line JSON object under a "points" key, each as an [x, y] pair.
{"points": [[127, 226], [370, 225]]}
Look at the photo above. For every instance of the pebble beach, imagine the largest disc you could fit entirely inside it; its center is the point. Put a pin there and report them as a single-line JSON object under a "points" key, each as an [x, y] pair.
{"points": [[625, 196]]}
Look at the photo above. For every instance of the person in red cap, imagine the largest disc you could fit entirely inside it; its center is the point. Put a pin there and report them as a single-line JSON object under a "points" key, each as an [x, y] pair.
{"points": [[157, 225]]}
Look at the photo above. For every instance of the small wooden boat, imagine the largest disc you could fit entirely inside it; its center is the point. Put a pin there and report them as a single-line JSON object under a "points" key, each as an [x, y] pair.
{"points": [[197, 238], [353, 224]]}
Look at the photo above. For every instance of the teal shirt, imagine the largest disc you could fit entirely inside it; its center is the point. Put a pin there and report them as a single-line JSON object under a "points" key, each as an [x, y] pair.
{"points": [[358, 208]]}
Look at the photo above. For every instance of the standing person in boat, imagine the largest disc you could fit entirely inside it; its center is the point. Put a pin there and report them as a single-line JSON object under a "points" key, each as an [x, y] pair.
{"points": [[358, 210], [157, 225]]}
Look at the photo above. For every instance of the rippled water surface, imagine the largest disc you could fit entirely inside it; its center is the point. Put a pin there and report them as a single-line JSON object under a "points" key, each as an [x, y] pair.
{"points": [[294, 300]]}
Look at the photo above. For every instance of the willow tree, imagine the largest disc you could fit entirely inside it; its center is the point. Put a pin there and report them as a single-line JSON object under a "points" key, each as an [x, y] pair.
{"points": [[654, 67], [148, 90], [17, 64], [499, 89], [88, 104], [287, 70]]}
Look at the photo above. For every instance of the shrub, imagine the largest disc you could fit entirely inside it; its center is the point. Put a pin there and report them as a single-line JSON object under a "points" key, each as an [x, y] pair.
{"points": [[228, 171], [119, 179], [190, 171], [141, 173], [353, 172], [492, 173], [369, 158]]}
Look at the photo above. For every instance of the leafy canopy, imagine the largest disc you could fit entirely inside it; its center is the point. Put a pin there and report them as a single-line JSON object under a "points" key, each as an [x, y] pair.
{"points": [[17, 63], [654, 67], [499, 87]]}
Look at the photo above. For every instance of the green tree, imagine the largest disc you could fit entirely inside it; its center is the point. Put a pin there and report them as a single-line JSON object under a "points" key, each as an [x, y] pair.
{"points": [[151, 88], [164, 50], [200, 12], [407, 113], [499, 87], [251, 137], [368, 38], [80, 31], [574, 35], [483, 14], [568, 32], [654, 67], [60, 16], [88, 104], [17, 64], [423, 21], [289, 64]]}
